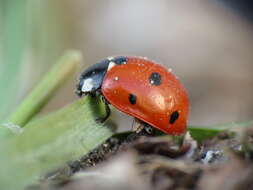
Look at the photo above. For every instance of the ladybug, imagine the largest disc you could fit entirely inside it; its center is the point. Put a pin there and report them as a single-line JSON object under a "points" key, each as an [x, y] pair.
{"points": [[141, 88]]}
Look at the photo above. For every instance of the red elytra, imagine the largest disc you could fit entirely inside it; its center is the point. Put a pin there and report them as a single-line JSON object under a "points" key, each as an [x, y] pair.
{"points": [[148, 91]]}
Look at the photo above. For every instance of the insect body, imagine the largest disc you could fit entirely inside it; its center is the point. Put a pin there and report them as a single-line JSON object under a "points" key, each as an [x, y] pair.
{"points": [[141, 88]]}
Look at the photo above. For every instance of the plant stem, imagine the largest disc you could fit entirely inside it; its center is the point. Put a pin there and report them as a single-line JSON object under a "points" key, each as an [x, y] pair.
{"points": [[41, 94]]}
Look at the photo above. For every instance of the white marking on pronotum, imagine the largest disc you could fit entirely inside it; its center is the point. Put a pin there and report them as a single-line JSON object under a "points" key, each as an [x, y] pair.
{"points": [[116, 78], [87, 85], [14, 128], [111, 65], [110, 58]]}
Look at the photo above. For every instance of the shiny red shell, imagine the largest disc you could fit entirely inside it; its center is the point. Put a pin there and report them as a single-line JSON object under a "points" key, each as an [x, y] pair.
{"points": [[154, 103]]}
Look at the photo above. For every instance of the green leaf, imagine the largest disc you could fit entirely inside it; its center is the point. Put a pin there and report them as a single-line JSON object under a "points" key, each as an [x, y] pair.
{"points": [[203, 133], [48, 142]]}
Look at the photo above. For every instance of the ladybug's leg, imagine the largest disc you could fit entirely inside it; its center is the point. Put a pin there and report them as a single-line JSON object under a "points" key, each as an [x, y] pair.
{"points": [[142, 127], [137, 125], [107, 111], [149, 129]]}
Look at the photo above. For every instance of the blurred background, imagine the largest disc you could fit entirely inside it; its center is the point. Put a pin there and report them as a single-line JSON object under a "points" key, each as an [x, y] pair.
{"points": [[208, 44]]}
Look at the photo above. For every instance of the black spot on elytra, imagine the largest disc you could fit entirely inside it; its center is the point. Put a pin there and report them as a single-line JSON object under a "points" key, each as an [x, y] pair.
{"points": [[132, 99], [155, 79], [174, 116]]}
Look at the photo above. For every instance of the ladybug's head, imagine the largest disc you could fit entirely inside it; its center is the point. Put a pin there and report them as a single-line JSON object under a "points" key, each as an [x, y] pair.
{"points": [[92, 78]]}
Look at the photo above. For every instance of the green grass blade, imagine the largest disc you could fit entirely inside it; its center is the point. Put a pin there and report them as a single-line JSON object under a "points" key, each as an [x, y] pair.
{"points": [[51, 141], [13, 42], [40, 95], [203, 133], [60, 72]]}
